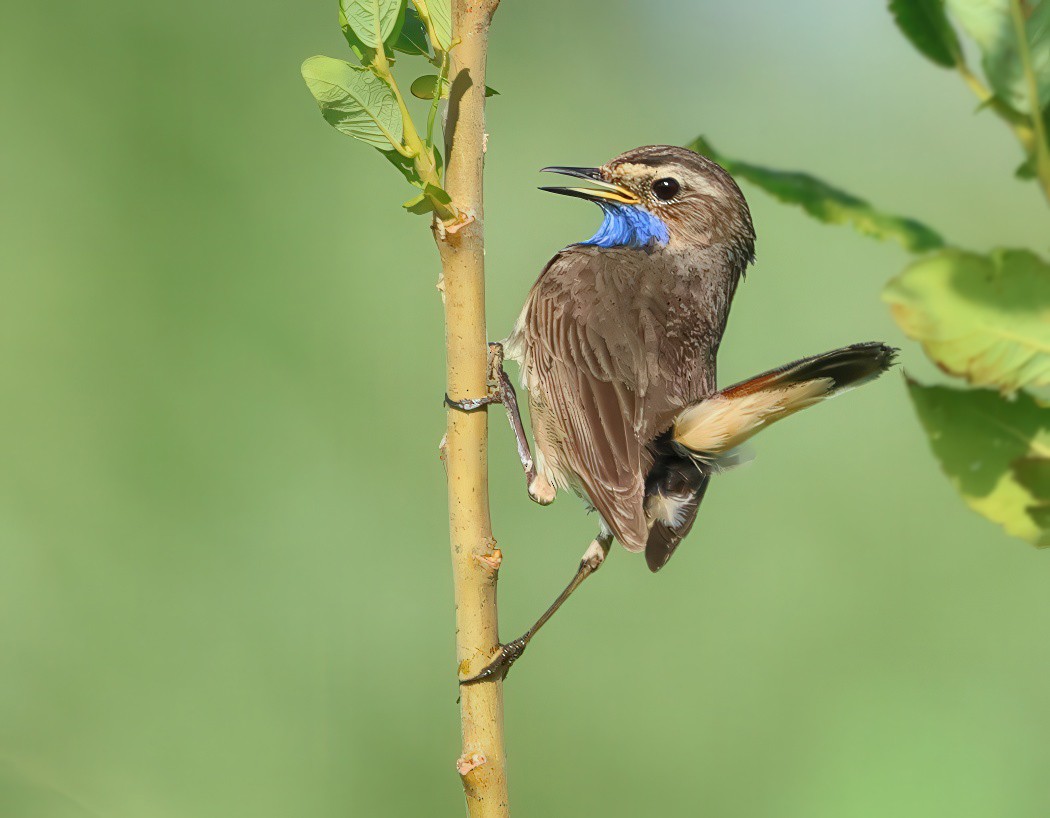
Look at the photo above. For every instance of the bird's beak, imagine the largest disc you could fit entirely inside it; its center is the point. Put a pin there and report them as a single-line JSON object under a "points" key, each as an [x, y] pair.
{"points": [[606, 192]]}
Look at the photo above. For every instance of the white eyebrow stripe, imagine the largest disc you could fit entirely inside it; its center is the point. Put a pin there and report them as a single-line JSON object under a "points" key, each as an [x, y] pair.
{"points": [[633, 172]]}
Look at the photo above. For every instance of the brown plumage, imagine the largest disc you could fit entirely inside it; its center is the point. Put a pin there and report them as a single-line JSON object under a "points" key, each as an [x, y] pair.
{"points": [[618, 344], [618, 349]]}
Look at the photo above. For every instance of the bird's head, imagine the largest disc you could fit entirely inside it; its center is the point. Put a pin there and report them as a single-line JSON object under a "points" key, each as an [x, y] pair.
{"points": [[665, 195]]}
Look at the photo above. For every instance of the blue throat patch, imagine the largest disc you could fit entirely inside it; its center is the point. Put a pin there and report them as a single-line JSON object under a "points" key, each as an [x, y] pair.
{"points": [[628, 226]]}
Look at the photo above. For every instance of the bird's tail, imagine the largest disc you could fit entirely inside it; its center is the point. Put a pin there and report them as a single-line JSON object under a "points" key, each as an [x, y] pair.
{"points": [[710, 430]]}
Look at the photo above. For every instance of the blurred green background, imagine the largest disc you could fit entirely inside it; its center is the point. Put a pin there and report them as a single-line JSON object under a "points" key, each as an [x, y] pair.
{"points": [[224, 576]]}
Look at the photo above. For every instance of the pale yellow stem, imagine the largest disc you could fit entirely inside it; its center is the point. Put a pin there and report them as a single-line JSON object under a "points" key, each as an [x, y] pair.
{"points": [[484, 764]]}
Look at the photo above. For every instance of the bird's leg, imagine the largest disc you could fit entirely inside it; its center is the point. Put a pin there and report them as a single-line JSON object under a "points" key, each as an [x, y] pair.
{"points": [[502, 391], [510, 652]]}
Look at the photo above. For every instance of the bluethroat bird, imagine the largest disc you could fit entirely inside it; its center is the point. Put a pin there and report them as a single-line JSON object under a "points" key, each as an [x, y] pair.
{"points": [[617, 346]]}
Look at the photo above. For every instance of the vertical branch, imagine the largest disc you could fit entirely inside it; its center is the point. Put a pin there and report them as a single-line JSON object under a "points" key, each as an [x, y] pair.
{"points": [[461, 245]]}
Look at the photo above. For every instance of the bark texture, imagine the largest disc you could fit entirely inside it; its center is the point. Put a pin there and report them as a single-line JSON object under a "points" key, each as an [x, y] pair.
{"points": [[475, 560]]}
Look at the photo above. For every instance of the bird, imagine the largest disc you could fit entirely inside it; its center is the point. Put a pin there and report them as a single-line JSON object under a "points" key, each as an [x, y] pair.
{"points": [[617, 346]]}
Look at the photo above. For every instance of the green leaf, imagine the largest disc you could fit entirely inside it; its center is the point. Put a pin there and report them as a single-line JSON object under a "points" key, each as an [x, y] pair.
{"points": [[419, 205], [989, 24], [441, 18], [373, 21], [354, 101], [984, 318], [491, 92], [406, 166], [425, 86], [978, 436], [424, 202], [1034, 474], [925, 24], [361, 51], [439, 194], [826, 203], [412, 38], [1028, 169]]}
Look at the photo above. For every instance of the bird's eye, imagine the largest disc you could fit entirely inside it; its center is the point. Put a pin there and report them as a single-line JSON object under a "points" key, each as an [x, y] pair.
{"points": [[666, 188]]}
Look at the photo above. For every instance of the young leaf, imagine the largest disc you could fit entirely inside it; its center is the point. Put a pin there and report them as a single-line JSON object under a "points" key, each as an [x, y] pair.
{"points": [[412, 38], [441, 17], [418, 204], [991, 26], [1028, 168], [826, 203], [926, 25], [406, 166], [978, 436], [984, 318], [361, 51], [425, 201], [354, 101], [438, 194], [373, 21], [424, 87]]}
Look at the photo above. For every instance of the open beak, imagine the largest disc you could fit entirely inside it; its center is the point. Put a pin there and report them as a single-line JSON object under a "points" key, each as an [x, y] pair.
{"points": [[605, 192]]}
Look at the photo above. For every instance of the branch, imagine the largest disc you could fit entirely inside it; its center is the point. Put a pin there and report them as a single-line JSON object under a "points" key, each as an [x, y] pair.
{"points": [[482, 765]]}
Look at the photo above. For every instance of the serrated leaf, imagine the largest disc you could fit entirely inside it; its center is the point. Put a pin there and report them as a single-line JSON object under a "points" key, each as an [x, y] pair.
{"points": [[977, 435], [990, 25], [984, 318], [441, 18], [925, 24], [826, 203], [425, 86], [373, 21], [354, 101], [412, 39]]}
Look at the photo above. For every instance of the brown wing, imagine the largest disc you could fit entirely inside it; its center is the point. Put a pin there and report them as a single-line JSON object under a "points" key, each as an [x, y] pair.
{"points": [[594, 336]]}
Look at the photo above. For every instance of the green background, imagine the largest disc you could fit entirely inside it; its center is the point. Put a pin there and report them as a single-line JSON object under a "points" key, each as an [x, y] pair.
{"points": [[224, 574]]}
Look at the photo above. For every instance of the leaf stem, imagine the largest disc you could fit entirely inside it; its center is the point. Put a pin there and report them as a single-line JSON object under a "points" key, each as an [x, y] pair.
{"points": [[438, 88], [1042, 149], [414, 148], [1018, 124]]}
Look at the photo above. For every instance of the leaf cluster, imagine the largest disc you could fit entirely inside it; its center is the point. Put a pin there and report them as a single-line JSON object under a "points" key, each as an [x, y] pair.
{"points": [[981, 318], [363, 100]]}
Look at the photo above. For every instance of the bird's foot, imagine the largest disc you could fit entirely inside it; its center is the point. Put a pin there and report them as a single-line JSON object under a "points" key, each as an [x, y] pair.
{"points": [[540, 489], [499, 667], [497, 381], [471, 404]]}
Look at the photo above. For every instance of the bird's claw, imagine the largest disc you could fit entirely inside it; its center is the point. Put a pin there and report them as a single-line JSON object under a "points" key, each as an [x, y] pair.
{"points": [[499, 667], [496, 380], [471, 404]]}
